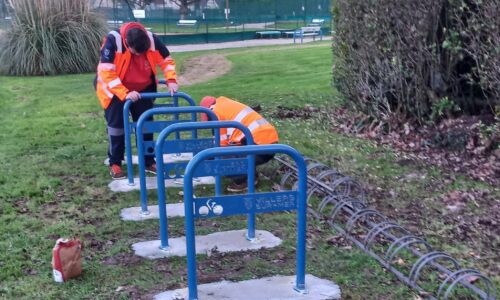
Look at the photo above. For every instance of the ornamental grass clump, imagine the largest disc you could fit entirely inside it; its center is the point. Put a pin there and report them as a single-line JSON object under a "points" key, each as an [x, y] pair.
{"points": [[50, 37]]}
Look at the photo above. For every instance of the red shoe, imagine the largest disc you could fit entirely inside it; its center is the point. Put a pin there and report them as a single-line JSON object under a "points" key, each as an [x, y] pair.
{"points": [[116, 172]]}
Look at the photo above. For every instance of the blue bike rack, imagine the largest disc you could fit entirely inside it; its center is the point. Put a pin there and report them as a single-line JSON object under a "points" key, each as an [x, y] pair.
{"points": [[241, 164], [130, 127], [251, 202], [144, 125]]}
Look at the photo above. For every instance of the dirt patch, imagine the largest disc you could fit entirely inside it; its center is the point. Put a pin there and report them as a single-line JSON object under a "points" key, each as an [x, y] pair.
{"points": [[203, 68]]}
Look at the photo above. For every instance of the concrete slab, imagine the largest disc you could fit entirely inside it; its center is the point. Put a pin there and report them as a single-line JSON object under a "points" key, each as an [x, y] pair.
{"points": [[269, 288], [226, 241], [134, 213], [167, 158], [122, 185]]}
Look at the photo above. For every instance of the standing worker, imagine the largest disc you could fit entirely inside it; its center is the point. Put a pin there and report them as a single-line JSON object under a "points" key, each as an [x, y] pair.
{"points": [[262, 131], [127, 67]]}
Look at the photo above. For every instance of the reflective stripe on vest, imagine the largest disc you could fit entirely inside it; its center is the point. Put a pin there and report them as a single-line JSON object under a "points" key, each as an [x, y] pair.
{"points": [[106, 67], [150, 35], [239, 117], [118, 41], [252, 127], [104, 88], [114, 83]]}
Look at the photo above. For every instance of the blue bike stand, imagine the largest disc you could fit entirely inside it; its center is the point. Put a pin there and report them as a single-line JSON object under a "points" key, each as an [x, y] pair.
{"points": [[145, 125], [250, 203], [130, 127], [165, 170]]}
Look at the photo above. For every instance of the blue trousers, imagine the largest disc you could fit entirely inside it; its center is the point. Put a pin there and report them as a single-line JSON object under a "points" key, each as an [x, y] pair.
{"points": [[116, 134]]}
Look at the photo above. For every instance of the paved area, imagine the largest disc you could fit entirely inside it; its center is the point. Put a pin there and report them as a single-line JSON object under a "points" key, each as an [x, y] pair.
{"points": [[225, 241], [167, 158], [122, 185], [269, 288], [134, 213], [238, 44]]}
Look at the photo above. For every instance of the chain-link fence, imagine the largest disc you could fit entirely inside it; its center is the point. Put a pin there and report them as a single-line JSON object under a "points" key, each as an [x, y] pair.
{"points": [[203, 21]]}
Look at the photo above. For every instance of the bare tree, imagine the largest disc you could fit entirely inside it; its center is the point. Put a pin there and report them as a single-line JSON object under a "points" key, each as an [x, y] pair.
{"points": [[184, 6], [140, 4]]}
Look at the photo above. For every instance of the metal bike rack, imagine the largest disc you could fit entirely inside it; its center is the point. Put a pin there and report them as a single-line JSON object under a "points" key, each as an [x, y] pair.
{"points": [[145, 125], [249, 203], [130, 127], [209, 167], [341, 196]]}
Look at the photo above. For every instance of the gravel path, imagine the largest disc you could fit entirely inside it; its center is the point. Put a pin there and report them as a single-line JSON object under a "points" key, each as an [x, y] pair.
{"points": [[237, 44]]}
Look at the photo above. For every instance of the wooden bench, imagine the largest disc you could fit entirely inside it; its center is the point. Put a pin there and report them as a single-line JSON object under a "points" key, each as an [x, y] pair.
{"points": [[302, 32], [316, 22], [187, 23], [269, 34], [115, 22]]}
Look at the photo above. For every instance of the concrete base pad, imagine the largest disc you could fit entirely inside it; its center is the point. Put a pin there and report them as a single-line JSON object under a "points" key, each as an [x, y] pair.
{"points": [[122, 185], [226, 241], [269, 288], [167, 158], [134, 213]]}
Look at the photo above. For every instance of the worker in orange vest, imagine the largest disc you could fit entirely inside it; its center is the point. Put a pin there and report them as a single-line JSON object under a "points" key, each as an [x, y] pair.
{"points": [[262, 131], [127, 67]]}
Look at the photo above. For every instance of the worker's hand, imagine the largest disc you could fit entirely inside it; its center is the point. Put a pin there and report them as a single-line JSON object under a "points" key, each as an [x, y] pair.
{"points": [[134, 96], [172, 87]]}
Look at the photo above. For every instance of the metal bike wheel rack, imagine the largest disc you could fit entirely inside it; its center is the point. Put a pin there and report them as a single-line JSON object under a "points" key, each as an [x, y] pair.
{"points": [[341, 196]]}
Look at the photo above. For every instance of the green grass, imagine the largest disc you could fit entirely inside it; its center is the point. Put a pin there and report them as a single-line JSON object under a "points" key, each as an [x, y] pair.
{"points": [[53, 183]]}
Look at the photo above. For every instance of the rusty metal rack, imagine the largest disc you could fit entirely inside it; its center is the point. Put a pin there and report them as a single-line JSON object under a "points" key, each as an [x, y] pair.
{"points": [[342, 202]]}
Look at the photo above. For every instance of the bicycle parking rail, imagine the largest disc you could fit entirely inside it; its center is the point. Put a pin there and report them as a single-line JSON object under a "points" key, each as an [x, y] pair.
{"points": [[251, 202], [145, 125], [129, 127], [163, 170], [341, 195]]}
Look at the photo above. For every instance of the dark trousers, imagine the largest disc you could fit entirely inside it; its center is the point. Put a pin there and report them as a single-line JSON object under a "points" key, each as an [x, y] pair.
{"points": [[259, 160], [116, 134]]}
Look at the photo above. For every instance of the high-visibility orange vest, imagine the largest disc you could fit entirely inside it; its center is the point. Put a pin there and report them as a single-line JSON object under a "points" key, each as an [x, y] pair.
{"points": [[229, 110], [110, 75]]}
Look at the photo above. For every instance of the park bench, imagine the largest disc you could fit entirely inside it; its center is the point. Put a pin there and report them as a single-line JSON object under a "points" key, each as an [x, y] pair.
{"points": [[313, 31], [316, 22], [190, 23], [268, 34], [114, 22]]}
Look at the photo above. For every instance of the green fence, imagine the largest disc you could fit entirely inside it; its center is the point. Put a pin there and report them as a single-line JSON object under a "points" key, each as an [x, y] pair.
{"points": [[207, 21]]}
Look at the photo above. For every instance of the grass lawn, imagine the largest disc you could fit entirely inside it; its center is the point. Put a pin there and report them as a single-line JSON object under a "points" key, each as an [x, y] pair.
{"points": [[53, 183]]}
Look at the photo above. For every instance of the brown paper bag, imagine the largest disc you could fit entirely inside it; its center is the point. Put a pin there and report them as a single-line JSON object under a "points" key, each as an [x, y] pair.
{"points": [[66, 259]]}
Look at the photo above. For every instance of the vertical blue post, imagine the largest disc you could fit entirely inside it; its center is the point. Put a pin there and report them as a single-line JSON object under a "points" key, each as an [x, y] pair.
{"points": [[190, 237], [176, 115], [128, 143], [218, 180], [300, 284], [251, 190], [142, 163], [162, 203]]}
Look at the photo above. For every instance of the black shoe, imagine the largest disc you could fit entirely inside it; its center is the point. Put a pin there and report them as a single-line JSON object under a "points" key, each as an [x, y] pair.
{"points": [[151, 169]]}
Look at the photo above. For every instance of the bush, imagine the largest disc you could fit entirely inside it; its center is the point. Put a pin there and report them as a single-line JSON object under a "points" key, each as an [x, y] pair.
{"points": [[401, 58], [50, 37]]}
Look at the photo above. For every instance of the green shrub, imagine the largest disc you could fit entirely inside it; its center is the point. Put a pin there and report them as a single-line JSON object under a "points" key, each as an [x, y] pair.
{"points": [[50, 37], [400, 58]]}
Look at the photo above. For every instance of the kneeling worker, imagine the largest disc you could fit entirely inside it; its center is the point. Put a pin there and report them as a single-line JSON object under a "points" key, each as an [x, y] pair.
{"points": [[262, 131]]}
